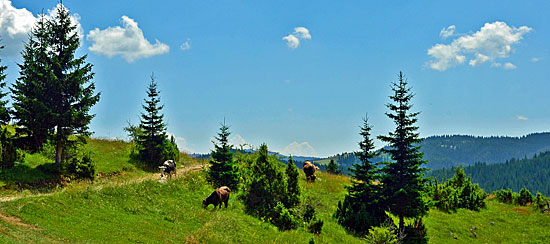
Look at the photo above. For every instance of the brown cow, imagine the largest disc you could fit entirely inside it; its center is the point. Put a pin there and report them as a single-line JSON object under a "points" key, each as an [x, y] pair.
{"points": [[217, 197], [309, 170]]}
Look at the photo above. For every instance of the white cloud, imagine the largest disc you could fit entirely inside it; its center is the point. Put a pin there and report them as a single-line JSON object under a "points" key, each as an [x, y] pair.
{"points": [[299, 149], [447, 32], [186, 45], [302, 33], [509, 66], [493, 41], [181, 142], [237, 140], [293, 40], [535, 60], [16, 24], [522, 118], [127, 41]]}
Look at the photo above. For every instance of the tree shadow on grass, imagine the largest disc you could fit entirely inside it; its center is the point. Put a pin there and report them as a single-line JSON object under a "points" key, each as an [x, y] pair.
{"points": [[42, 178]]}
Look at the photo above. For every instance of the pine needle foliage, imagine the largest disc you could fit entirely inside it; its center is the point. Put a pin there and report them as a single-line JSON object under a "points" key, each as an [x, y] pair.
{"points": [[222, 170], [404, 185], [363, 207]]}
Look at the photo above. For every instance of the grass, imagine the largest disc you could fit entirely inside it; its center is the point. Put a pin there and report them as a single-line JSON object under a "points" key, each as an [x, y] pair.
{"points": [[150, 212], [128, 205]]}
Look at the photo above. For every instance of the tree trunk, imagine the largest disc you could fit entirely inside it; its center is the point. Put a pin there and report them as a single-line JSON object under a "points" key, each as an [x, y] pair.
{"points": [[401, 224]]}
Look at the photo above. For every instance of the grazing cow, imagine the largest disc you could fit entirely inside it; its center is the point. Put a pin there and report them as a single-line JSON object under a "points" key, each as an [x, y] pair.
{"points": [[309, 170], [217, 197], [168, 167]]}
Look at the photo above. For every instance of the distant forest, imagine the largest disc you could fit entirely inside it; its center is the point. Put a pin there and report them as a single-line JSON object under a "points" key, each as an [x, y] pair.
{"points": [[458, 150], [533, 173]]}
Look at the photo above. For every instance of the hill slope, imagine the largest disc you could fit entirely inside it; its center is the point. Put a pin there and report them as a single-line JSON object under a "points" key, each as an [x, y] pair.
{"points": [[459, 150], [514, 174]]}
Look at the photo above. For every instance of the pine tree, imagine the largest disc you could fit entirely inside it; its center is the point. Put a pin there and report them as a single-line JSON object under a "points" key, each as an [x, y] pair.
{"points": [[72, 89], [30, 92], [403, 183], [223, 171], [153, 137], [332, 167], [293, 189], [4, 112], [363, 206]]}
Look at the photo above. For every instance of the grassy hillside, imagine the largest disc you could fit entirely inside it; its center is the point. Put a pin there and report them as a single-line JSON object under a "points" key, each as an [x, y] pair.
{"points": [[132, 206]]}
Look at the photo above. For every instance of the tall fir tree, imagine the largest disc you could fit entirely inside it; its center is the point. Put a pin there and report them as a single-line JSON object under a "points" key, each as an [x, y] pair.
{"points": [[152, 140], [72, 91], [333, 168], [31, 92], [4, 111], [222, 170], [403, 183], [293, 189], [363, 205]]}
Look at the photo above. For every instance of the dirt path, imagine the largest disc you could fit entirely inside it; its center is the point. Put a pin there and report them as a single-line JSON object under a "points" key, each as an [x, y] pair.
{"points": [[12, 220], [110, 182]]}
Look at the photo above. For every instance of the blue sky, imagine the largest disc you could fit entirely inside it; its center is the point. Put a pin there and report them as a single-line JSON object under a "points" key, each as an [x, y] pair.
{"points": [[300, 75]]}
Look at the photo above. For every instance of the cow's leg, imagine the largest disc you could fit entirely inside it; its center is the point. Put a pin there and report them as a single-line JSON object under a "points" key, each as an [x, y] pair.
{"points": [[226, 203]]}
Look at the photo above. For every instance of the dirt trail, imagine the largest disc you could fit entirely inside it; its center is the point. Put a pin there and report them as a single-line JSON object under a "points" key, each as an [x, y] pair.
{"points": [[12, 220], [156, 176]]}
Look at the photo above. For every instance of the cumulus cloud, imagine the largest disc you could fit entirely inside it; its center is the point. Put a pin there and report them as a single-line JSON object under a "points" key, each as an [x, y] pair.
{"points": [[186, 45], [181, 142], [522, 118], [535, 60], [127, 41], [509, 66], [447, 32], [492, 42], [16, 24], [237, 141], [293, 40], [299, 149]]}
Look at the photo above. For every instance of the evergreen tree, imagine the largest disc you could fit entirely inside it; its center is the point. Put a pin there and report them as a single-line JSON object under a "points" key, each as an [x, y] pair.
{"points": [[32, 90], [363, 206], [4, 112], [403, 183], [153, 137], [71, 91], [222, 170], [293, 189], [265, 186], [332, 167]]}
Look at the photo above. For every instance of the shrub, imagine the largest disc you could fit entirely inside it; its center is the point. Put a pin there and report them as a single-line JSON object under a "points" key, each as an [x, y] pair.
{"points": [[283, 219], [381, 235], [315, 226], [81, 167], [540, 202], [8, 151], [504, 196], [416, 232], [458, 192], [525, 197]]}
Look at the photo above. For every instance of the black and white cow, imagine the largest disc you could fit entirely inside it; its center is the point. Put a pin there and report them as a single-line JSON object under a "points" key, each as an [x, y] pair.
{"points": [[168, 167]]}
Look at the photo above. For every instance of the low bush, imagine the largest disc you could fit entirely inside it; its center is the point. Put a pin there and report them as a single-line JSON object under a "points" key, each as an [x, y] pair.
{"points": [[381, 235], [283, 218], [458, 192], [525, 197]]}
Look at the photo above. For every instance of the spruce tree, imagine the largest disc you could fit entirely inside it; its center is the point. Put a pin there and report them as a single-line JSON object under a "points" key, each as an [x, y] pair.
{"points": [[153, 137], [4, 112], [222, 170], [72, 90], [363, 205], [293, 189], [402, 179], [32, 107], [332, 167]]}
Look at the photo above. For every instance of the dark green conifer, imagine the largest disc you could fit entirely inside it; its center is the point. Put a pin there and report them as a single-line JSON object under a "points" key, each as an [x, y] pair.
{"points": [[363, 205], [333, 168], [153, 135], [4, 112], [71, 90], [293, 189], [403, 183], [32, 90], [222, 170]]}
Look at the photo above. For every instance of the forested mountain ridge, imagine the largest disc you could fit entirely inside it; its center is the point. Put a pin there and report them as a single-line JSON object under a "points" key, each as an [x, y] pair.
{"points": [[461, 150], [533, 173]]}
